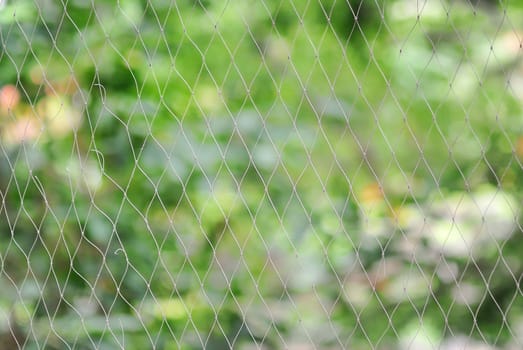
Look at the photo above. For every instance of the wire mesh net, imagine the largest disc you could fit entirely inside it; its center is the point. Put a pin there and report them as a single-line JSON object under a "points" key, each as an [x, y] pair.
{"points": [[269, 174]]}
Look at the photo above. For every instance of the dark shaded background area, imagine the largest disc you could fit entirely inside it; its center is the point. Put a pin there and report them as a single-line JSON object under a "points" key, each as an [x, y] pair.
{"points": [[261, 174]]}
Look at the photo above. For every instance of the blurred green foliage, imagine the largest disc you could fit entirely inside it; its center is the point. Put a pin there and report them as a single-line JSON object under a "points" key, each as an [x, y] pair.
{"points": [[225, 174]]}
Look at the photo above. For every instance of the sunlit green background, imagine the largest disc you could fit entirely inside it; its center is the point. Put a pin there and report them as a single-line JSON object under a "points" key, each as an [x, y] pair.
{"points": [[261, 174]]}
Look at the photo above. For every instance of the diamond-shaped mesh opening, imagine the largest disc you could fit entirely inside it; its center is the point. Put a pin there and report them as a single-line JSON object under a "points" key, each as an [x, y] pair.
{"points": [[261, 174]]}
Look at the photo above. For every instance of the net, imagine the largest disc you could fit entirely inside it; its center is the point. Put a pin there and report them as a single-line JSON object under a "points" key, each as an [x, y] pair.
{"points": [[270, 174]]}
